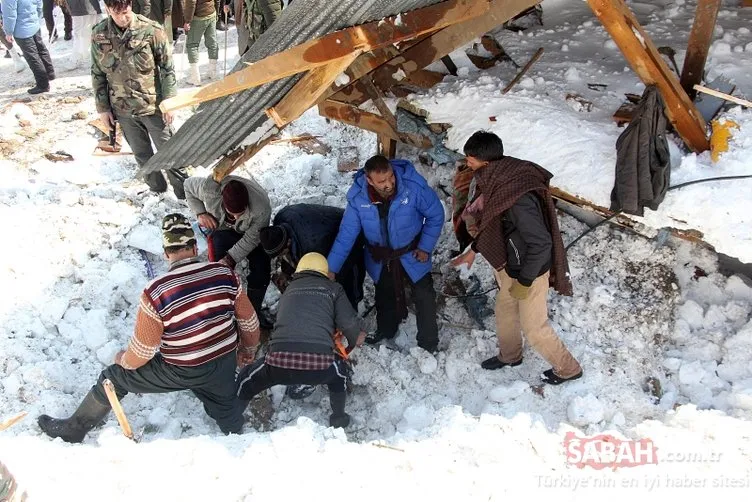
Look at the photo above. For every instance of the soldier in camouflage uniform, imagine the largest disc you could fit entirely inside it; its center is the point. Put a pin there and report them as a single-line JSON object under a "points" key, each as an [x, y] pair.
{"points": [[250, 28], [132, 72]]}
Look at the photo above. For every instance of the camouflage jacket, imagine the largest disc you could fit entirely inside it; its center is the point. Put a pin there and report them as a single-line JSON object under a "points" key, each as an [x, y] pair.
{"points": [[262, 14], [131, 70]]}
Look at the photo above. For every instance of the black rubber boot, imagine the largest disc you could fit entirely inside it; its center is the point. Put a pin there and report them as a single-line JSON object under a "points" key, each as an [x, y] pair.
{"points": [[73, 430], [338, 418]]}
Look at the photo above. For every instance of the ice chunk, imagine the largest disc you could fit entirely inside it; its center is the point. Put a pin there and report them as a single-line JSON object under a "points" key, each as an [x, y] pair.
{"points": [[584, 411], [504, 393], [691, 373]]}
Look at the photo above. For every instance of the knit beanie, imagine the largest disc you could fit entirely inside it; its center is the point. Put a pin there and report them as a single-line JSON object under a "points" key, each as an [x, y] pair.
{"points": [[234, 197], [273, 239], [177, 231]]}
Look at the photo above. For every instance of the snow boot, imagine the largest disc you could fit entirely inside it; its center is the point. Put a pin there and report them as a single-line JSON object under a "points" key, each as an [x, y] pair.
{"points": [[194, 76], [73, 430], [212, 69], [338, 418], [18, 61]]}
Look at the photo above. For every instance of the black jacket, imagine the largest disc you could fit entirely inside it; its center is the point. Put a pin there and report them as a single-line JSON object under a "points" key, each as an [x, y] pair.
{"points": [[528, 240], [310, 310], [312, 227]]}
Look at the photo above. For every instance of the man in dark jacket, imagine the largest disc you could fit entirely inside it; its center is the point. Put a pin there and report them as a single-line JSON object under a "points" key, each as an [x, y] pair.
{"points": [[401, 218], [302, 347], [300, 229], [516, 229]]}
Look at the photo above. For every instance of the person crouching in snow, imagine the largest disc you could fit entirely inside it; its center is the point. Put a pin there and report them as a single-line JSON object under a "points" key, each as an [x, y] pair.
{"points": [[517, 231], [188, 326], [302, 348]]}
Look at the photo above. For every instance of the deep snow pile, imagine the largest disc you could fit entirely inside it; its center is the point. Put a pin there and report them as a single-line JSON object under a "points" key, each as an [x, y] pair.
{"points": [[665, 339]]}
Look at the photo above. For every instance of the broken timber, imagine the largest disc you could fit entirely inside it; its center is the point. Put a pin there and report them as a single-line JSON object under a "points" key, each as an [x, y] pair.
{"points": [[699, 43], [524, 70], [645, 60], [334, 46]]}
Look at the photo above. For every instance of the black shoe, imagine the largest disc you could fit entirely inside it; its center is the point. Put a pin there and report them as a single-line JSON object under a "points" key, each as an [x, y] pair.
{"points": [[299, 391], [338, 418], [38, 90], [493, 363], [433, 348], [552, 378], [375, 338], [7, 54], [68, 36]]}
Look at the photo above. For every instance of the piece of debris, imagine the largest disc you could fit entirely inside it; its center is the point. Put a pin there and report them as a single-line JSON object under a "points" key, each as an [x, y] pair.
{"points": [[348, 159], [653, 387], [312, 145], [526, 19], [24, 123], [524, 70], [58, 156], [538, 389], [670, 53], [72, 100], [82, 115], [579, 103], [624, 114], [597, 87], [8, 147], [492, 118], [496, 53]]}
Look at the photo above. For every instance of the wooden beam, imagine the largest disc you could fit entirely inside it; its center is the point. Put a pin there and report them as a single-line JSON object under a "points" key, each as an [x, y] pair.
{"points": [[333, 46], [362, 119], [524, 70], [309, 91], [723, 95], [239, 157], [645, 60], [387, 146], [699, 43], [447, 40]]}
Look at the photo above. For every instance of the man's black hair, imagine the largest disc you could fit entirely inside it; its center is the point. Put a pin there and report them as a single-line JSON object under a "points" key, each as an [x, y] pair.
{"points": [[377, 164], [118, 5], [485, 146]]}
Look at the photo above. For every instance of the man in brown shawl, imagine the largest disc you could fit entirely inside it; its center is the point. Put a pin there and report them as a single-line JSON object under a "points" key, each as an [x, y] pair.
{"points": [[515, 227]]}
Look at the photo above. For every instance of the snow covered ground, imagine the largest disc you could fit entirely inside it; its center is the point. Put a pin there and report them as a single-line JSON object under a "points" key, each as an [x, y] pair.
{"points": [[665, 339]]}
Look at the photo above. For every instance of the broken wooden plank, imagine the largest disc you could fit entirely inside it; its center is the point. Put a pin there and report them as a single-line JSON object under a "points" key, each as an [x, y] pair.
{"points": [[445, 41], [425, 79], [708, 105], [449, 65], [309, 90], [624, 114], [333, 46], [699, 44], [524, 70], [352, 115], [237, 158], [723, 95], [640, 52], [378, 101], [6, 424], [387, 146]]}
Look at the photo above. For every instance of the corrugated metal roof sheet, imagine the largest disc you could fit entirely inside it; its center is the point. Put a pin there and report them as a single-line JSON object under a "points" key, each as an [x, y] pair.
{"points": [[221, 125]]}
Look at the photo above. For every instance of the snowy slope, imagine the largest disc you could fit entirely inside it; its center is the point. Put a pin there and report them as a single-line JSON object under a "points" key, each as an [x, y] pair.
{"points": [[424, 427]]}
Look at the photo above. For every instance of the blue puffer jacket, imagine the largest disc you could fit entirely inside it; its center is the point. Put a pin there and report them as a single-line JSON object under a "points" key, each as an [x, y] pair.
{"points": [[416, 209], [21, 17]]}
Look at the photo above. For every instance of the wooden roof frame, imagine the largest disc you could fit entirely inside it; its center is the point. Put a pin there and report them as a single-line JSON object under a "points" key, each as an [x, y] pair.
{"points": [[348, 67]]}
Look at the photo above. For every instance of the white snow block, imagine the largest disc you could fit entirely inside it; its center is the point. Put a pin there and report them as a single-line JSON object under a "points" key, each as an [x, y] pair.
{"points": [[584, 411], [502, 393], [691, 373], [94, 328]]}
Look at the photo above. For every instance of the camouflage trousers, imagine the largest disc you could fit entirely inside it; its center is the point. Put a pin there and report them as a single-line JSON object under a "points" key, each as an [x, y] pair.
{"points": [[139, 132], [205, 27]]}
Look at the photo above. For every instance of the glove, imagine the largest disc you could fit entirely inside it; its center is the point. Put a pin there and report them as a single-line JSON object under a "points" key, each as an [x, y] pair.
{"points": [[518, 291]]}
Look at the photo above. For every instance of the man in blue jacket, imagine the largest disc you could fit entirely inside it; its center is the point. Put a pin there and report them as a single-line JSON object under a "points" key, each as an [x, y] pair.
{"points": [[401, 219], [21, 23]]}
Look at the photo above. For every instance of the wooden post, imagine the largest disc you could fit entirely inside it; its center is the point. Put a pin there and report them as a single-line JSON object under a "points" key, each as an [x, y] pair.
{"points": [[109, 389], [524, 70], [699, 43], [642, 55], [12, 421], [387, 147]]}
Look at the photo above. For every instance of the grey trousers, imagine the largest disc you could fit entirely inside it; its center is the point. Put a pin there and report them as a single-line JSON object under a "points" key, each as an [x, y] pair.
{"points": [[213, 383], [139, 132]]}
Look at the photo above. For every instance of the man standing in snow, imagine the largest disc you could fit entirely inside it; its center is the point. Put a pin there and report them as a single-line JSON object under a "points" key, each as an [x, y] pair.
{"points": [[132, 73], [515, 227], [200, 22], [21, 22], [85, 13], [234, 211], [401, 219], [302, 347], [194, 326]]}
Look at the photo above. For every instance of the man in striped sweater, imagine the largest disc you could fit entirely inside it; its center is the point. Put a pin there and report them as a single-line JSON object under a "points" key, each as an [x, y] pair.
{"points": [[194, 326]]}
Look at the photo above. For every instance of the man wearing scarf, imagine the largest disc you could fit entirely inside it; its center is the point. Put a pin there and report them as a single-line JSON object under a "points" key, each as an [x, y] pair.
{"points": [[401, 218], [515, 227]]}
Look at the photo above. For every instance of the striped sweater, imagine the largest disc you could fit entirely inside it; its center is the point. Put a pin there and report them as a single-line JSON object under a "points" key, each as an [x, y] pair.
{"points": [[192, 315]]}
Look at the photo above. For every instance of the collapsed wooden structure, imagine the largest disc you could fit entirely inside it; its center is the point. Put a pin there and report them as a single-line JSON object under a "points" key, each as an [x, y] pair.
{"points": [[342, 70]]}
